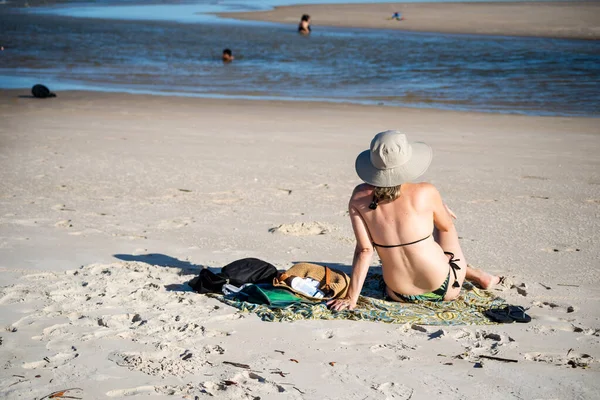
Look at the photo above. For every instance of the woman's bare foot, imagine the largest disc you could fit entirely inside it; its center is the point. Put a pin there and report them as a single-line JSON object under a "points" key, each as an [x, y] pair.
{"points": [[489, 281], [482, 279]]}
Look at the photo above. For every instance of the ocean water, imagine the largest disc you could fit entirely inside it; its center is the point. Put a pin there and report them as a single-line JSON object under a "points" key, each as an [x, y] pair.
{"points": [[175, 49]]}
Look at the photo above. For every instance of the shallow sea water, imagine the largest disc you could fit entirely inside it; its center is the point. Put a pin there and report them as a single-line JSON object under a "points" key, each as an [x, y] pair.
{"points": [[463, 72]]}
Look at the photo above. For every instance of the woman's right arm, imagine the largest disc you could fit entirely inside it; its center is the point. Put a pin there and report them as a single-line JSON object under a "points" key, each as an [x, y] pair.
{"points": [[363, 254]]}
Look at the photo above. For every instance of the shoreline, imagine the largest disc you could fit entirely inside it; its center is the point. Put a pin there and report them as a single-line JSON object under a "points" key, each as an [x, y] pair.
{"points": [[560, 20], [25, 93], [95, 91]]}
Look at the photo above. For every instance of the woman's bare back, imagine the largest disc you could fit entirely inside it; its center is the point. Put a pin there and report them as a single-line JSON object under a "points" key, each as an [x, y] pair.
{"points": [[409, 269]]}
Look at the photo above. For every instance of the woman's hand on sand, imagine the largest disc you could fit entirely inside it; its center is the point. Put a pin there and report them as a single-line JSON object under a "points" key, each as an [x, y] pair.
{"points": [[341, 304], [450, 211]]}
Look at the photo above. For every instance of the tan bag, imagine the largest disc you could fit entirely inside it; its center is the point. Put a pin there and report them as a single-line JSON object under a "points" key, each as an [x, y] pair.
{"points": [[332, 283]]}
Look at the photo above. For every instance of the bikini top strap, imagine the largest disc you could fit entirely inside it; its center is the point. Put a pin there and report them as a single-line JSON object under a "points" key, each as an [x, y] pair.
{"points": [[400, 245]]}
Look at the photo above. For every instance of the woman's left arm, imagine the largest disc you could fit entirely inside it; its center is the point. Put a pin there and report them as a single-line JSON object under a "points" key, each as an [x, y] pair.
{"points": [[363, 254]]}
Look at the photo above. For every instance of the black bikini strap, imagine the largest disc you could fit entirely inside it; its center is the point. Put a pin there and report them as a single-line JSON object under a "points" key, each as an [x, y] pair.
{"points": [[400, 245], [453, 266], [374, 203]]}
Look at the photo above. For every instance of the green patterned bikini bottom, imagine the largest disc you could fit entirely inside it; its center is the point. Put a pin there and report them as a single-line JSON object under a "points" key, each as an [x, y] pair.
{"points": [[467, 309]]}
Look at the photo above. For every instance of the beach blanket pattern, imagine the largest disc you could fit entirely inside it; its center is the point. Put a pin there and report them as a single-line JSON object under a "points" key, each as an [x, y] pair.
{"points": [[466, 310]]}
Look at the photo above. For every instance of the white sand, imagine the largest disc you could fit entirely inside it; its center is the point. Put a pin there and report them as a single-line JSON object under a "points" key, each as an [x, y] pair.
{"points": [[572, 19], [171, 184]]}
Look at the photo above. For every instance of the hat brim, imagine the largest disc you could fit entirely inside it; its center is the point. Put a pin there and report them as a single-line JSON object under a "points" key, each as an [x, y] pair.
{"points": [[409, 171]]}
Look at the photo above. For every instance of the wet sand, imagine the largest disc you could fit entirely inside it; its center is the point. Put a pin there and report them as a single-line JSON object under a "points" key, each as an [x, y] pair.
{"points": [[109, 203], [575, 20]]}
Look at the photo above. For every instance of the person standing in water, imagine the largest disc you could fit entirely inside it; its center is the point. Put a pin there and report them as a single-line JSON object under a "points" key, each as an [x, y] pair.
{"points": [[304, 25], [227, 56]]}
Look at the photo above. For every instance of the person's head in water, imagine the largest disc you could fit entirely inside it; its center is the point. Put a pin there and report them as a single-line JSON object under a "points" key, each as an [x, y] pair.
{"points": [[227, 56], [304, 25]]}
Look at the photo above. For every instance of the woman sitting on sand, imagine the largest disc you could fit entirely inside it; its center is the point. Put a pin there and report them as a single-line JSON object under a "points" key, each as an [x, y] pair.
{"points": [[408, 224]]}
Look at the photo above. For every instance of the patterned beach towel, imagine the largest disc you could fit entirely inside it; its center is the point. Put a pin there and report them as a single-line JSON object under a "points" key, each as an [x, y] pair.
{"points": [[466, 310]]}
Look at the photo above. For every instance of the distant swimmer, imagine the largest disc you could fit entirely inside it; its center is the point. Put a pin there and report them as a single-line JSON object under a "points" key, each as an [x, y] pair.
{"points": [[227, 56], [304, 25]]}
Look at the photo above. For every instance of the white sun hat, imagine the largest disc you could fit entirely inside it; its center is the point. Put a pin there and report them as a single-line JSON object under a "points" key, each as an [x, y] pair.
{"points": [[392, 160]]}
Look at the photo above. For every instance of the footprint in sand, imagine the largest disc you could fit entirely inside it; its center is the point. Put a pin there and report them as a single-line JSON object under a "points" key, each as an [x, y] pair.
{"points": [[243, 385], [227, 201], [302, 229], [328, 334], [61, 207], [554, 306], [561, 248], [25, 222], [52, 332], [521, 288], [53, 361], [65, 223], [586, 331], [481, 342], [184, 391], [213, 349], [533, 196], [392, 390], [137, 391], [476, 201], [161, 364], [131, 237], [393, 351], [226, 317], [225, 198], [175, 223], [346, 239], [572, 359], [296, 251], [283, 191]]}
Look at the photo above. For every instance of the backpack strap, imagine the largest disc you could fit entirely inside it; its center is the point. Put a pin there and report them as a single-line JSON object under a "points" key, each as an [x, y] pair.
{"points": [[283, 277], [327, 279]]}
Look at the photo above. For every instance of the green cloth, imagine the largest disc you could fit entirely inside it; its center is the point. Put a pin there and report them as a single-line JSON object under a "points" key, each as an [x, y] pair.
{"points": [[269, 295], [466, 310]]}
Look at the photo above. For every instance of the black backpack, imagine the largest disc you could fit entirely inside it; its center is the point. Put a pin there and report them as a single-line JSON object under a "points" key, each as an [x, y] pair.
{"points": [[41, 92], [237, 273]]}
